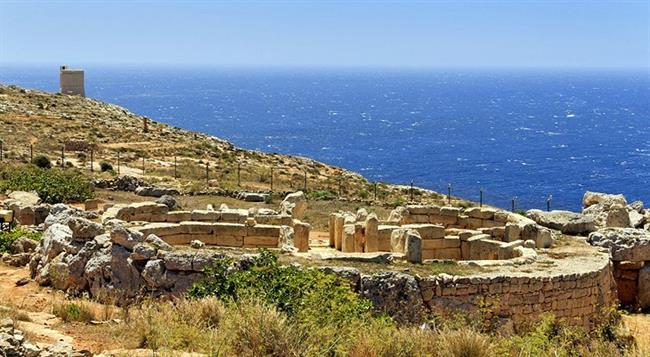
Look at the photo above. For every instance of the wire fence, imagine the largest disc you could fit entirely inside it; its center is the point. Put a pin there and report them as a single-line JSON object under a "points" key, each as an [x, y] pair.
{"points": [[234, 174]]}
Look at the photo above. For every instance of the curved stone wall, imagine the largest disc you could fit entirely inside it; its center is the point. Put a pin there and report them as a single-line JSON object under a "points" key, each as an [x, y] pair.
{"points": [[576, 289]]}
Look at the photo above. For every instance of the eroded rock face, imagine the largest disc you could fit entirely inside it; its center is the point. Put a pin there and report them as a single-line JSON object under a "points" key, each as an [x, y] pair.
{"points": [[618, 217], [565, 221], [294, 204], [626, 244], [396, 294], [153, 191]]}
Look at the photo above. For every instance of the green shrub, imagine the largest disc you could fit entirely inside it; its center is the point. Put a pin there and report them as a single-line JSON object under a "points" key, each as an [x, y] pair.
{"points": [[306, 295], [42, 161], [321, 195], [53, 186], [105, 166], [7, 238], [72, 312]]}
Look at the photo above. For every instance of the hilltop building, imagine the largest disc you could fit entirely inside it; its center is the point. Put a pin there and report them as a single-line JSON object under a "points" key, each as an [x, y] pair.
{"points": [[72, 81]]}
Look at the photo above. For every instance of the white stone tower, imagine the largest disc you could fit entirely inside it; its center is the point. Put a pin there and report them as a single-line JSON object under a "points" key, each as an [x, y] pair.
{"points": [[72, 81]]}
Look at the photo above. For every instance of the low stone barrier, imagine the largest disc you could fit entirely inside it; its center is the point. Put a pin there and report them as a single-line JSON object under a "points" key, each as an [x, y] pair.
{"points": [[576, 291]]}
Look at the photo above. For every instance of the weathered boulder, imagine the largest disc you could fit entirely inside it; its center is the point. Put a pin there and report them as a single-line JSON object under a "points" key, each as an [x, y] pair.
{"points": [[25, 198], [626, 244], [158, 243], [644, 288], [167, 200], [594, 198], [253, 196], [23, 245], [565, 221], [153, 191], [350, 274], [56, 239], [127, 238], [294, 204], [396, 294], [143, 251], [197, 244], [637, 220], [617, 217], [84, 229]]}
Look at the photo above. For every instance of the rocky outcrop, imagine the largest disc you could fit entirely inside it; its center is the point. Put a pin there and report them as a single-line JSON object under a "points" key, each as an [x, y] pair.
{"points": [[625, 244], [565, 221], [121, 183], [26, 207], [14, 343]]}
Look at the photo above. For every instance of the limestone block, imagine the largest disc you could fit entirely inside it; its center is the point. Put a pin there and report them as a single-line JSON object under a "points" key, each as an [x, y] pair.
{"points": [[158, 218], [480, 212], [263, 230], [384, 233], [178, 216], [490, 223], [450, 211], [397, 240], [466, 234], [421, 210], [206, 216], [330, 228], [229, 229], [413, 246], [347, 241], [339, 222], [508, 251], [544, 238], [301, 235], [372, 233], [178, 239], [93, 204], [511, 232], [444, 253], [163, 229], [501, 216], [228, 240], [274, 219], [234, 215], [498, 233], [483, 247], [470, 223], [359, 238], [427, 231], [197, 227], [149, 207], [442, 243], [445, 220], [260, 242]]}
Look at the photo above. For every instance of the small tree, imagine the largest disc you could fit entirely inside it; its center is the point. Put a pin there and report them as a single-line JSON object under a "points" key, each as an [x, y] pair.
{"points": [[105, 166], [42, 161]]}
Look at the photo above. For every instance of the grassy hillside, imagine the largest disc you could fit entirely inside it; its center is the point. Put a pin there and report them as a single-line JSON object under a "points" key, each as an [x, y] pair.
{"points": [[35, 122]]}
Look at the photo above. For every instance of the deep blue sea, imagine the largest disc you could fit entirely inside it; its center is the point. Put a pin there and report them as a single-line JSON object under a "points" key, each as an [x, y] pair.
{"points": [[528, 134]]}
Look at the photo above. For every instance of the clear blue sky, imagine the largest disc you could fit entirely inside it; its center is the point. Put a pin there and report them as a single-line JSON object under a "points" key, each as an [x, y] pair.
{"points": [[328, 33]]}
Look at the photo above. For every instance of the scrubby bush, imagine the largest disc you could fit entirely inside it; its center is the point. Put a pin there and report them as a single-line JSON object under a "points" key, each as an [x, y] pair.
{"points": [[321, 195], [42, 161], [8, 237], [307, 295], [73, 311], [105, 166], [53, 186]]}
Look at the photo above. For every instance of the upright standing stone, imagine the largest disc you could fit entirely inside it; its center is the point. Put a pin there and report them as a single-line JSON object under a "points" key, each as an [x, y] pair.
{"points": [[339, 222], [347, 241], [644, 287], [372, 233], [413, 246], [332, 229], [301, 235]]}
